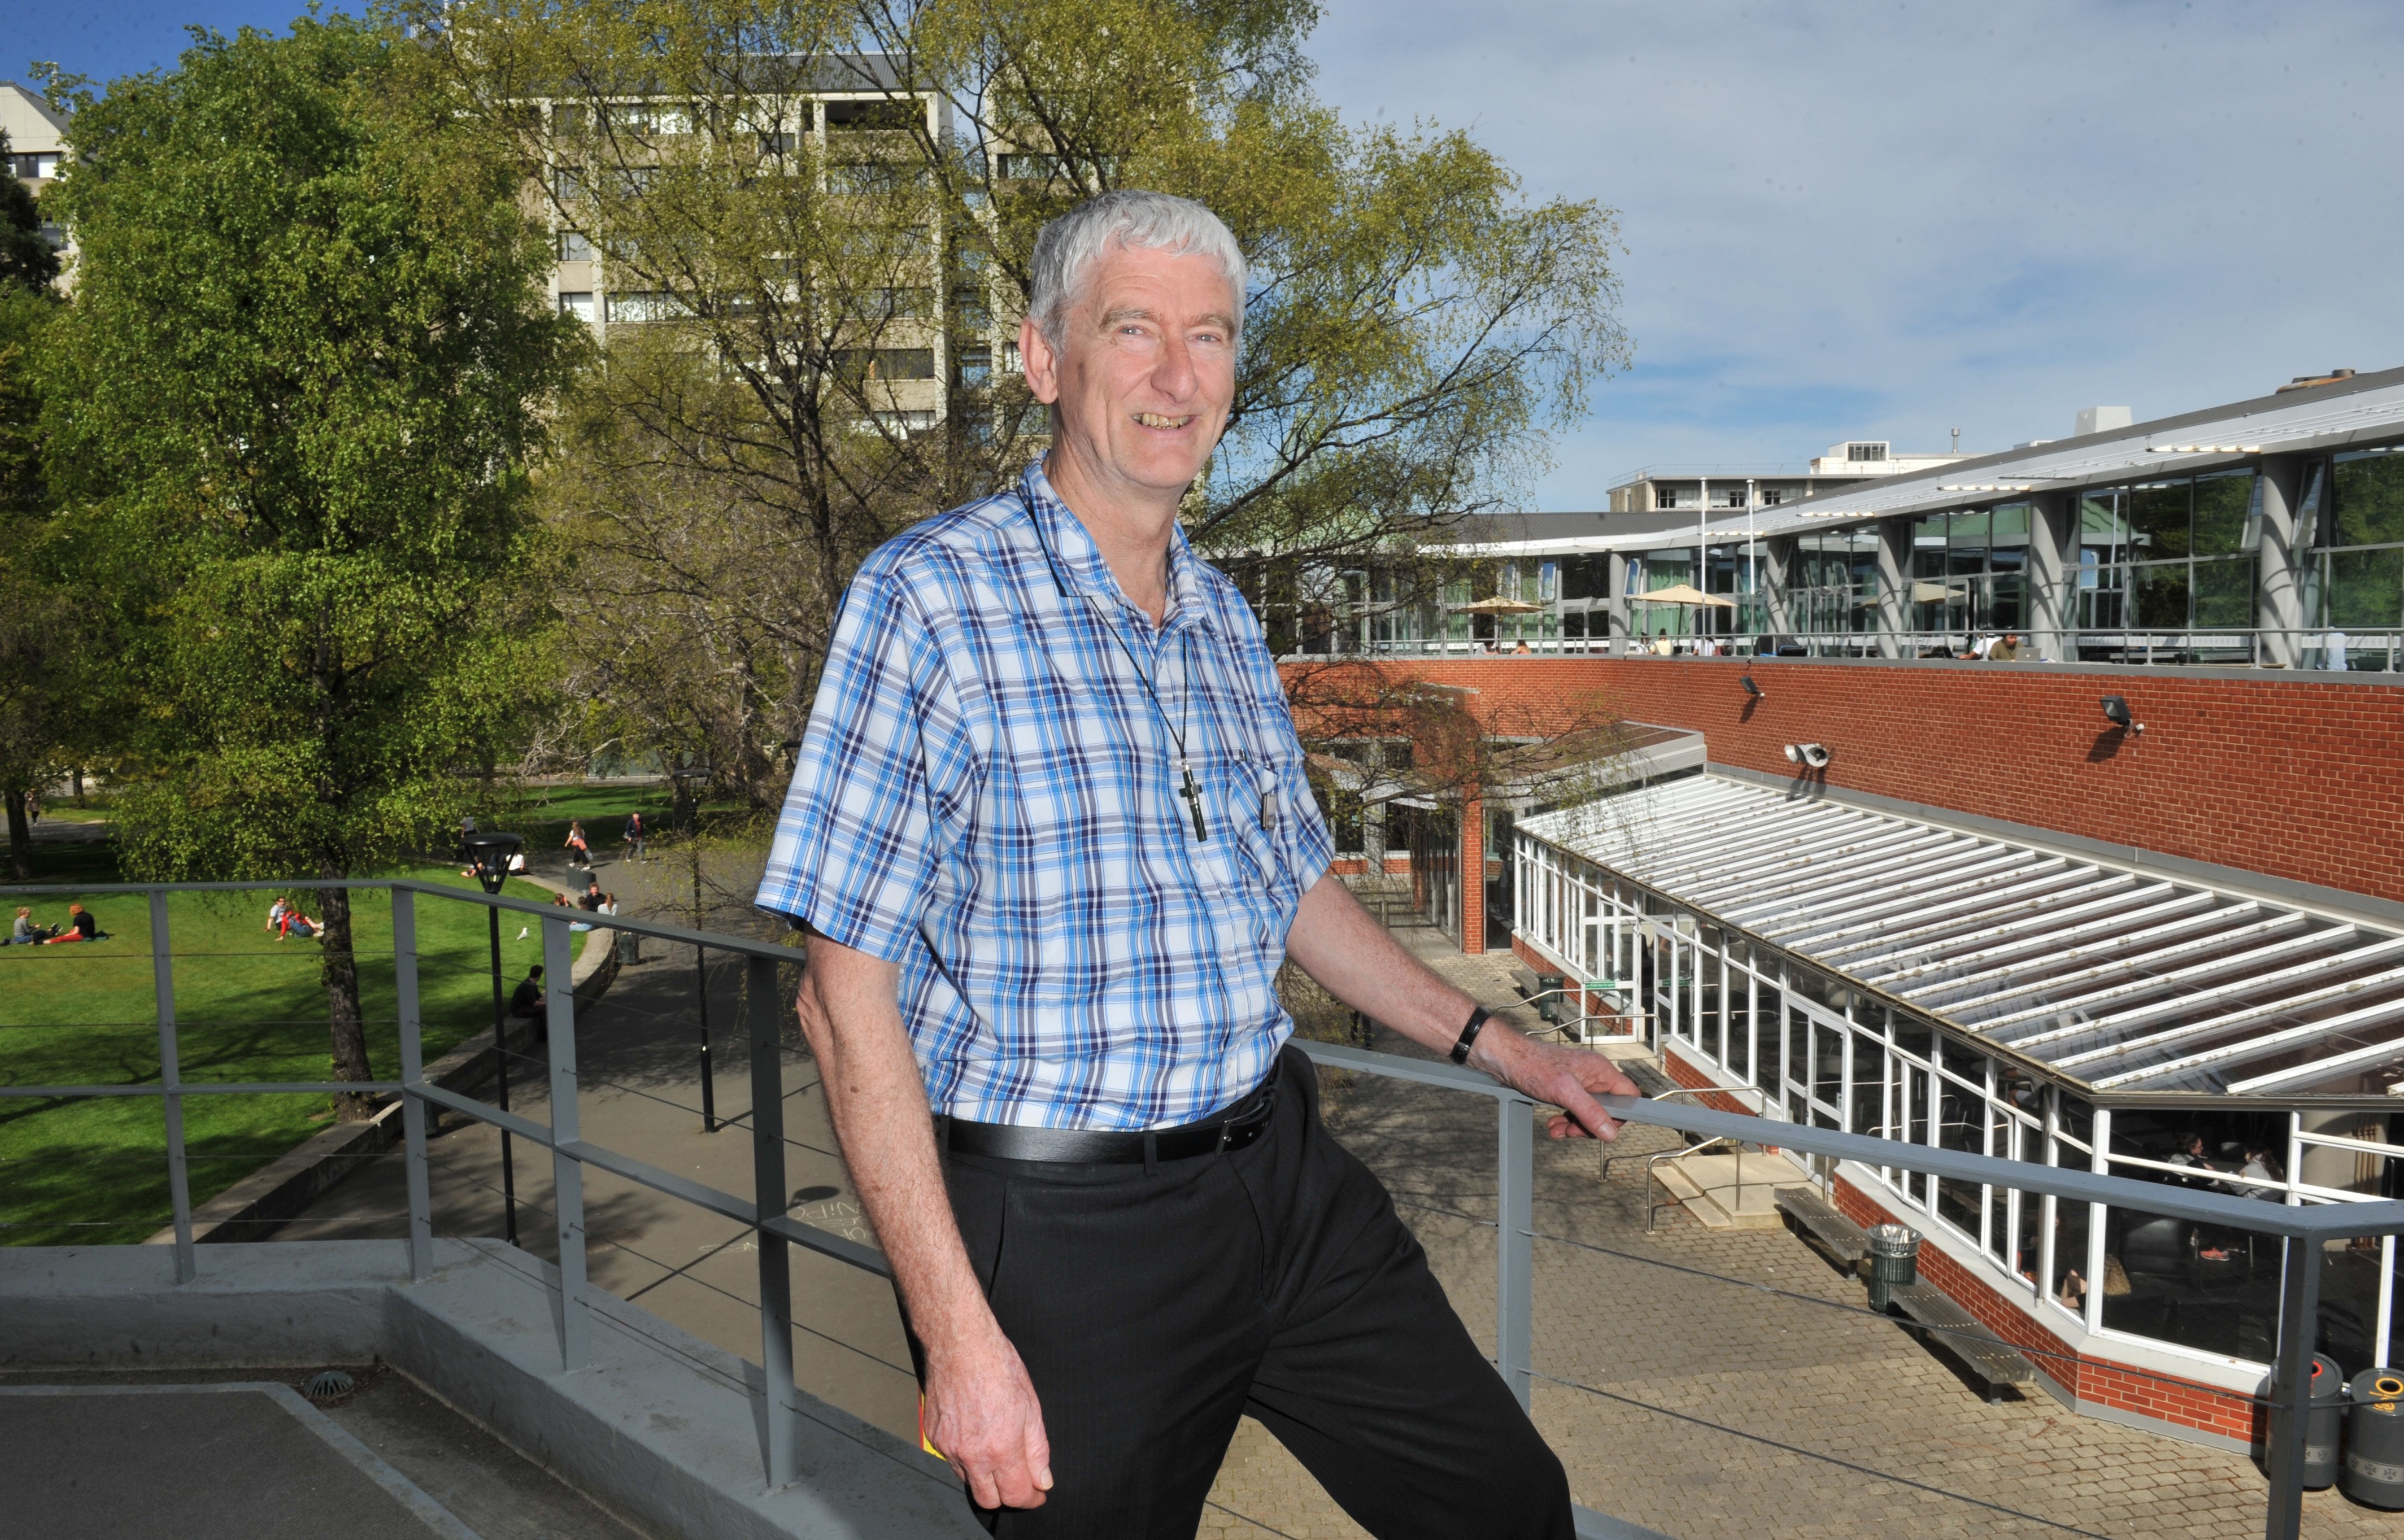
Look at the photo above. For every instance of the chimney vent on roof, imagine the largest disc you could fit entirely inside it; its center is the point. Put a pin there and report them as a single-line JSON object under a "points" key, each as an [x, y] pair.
{"points": [[2101, 420]]}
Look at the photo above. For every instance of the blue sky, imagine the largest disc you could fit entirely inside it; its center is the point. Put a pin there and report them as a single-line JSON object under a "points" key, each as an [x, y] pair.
{"points": [[1869, 219]]}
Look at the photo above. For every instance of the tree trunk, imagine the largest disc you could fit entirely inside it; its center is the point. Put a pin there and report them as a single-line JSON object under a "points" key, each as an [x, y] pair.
{"points": [[20, 835], [340, 969]]}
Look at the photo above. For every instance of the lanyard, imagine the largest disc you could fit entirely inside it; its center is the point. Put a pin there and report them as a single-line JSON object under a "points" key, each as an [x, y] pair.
{"points": [[1192, 793]]}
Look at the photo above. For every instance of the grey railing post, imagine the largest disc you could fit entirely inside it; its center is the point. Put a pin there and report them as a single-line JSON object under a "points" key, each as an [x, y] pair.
{"points": [[179, 1181], [768, 1190], [1515, 1241], [413, 1074], [566, 1172], [2299, 1295]]}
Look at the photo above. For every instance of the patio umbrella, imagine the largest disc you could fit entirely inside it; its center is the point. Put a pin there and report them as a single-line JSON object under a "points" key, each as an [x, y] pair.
{"points": [[1923, 592], [1686, 593], [1498, 605]]}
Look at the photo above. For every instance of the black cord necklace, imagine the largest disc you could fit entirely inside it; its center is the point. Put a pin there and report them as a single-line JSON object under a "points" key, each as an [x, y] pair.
{"points": [[1187, 789], [1190, 792]]}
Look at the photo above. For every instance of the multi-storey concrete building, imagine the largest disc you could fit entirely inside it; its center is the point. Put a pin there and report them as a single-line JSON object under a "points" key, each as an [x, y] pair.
{"points": [[36, 144]]}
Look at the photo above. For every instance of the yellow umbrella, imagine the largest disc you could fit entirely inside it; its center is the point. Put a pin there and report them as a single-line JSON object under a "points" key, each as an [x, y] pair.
{"points": [[1686, 593]]}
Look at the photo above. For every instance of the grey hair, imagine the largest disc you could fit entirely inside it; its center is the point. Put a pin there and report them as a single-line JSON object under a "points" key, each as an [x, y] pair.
{"points": [[1156, 221]]}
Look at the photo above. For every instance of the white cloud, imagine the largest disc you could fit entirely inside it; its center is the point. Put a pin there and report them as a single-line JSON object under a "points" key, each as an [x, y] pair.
{"points": [[1853, 218]]}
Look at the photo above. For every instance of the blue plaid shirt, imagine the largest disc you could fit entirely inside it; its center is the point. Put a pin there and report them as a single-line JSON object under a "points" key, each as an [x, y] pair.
{"points": [[989, 797]]}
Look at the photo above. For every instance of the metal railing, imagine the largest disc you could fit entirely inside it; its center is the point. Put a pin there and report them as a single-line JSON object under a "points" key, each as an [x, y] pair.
{"points": [[2371, 651], [2302, 1230]]}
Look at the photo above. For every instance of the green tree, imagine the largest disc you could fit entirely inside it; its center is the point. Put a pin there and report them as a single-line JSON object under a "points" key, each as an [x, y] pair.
{"points": [[290, 413], [811, 227], [33, 614]]}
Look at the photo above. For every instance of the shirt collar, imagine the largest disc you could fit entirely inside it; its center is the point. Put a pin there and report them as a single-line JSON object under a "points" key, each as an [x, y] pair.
{"points": [[1078, 566]]}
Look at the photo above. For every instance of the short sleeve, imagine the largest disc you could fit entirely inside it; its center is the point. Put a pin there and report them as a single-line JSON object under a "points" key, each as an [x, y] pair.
{"points": [[858, 842]]}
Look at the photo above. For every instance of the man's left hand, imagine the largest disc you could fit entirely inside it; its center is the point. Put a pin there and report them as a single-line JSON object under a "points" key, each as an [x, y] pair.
{"points": [[1568, 1078]]}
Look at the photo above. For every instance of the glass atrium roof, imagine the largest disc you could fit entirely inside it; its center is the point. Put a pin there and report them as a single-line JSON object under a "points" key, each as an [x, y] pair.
{"points": [[2121, 979]]}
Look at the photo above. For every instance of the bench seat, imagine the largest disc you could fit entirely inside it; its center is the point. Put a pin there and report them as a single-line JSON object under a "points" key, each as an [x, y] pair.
{"points": [[1848, 1241], [1988, 1357]]}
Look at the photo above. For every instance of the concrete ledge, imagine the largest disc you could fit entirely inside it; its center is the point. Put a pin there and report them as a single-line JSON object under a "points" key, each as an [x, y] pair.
{"points": [[660, 1426]]}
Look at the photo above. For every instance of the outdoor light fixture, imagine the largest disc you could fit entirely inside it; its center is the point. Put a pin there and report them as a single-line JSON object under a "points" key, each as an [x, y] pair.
{"points": [[489, 855], [1814, 755], [1749, 687], [2115, 709]]}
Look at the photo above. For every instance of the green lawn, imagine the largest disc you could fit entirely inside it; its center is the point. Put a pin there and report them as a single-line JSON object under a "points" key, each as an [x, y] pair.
{"points": [[248, 1008]]}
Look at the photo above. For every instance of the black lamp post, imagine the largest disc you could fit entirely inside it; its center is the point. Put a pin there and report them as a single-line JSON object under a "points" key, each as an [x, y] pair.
{"points": [[489, 855]]}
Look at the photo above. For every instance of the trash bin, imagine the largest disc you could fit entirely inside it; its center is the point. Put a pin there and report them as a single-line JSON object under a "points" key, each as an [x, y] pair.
{"points": [[2324, 1421], [1894, 1261], [2374, 1439], [630, 946], [1551, 1004]]}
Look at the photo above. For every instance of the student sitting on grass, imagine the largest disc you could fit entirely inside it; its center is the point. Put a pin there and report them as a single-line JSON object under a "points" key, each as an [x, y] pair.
{"points": [[24, 933], [81, 927], [292, 922]]}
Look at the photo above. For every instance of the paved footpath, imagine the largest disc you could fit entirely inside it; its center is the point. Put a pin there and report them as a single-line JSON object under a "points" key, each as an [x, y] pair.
{"points": [[1710, 1408]]}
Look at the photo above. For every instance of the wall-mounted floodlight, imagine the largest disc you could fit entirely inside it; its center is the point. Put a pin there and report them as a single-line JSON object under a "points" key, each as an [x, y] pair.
{"points": [[1814, 755], [2115, 709], [1749, 687]]}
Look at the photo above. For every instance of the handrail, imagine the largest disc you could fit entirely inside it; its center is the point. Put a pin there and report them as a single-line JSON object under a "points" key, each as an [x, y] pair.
{"points": [[1651, 1208], [766, 1214], [715, 941]]}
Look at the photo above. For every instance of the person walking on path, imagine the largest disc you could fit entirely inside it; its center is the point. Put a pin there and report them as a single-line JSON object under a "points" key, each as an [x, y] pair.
{"points": [[581, 852], [634, 836], [1050, 836]]}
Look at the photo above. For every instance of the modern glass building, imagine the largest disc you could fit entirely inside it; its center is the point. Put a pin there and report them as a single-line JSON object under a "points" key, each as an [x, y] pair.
{"points": [[2266, 533], [1847, 968]]}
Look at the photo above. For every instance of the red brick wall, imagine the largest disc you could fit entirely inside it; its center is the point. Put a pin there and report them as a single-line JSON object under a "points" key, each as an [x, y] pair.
{"points": [[2275, 773]]}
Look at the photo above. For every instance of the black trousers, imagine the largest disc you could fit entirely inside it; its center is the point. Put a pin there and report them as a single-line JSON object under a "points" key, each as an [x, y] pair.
{"points": [[1156, 1308]]}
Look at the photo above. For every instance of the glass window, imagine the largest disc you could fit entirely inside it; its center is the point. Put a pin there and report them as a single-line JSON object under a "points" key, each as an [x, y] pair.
{"points": [[1828, 1063], [2224, 593], [2161, 595], [1869, 1099], [2369, 499], [2158, 520], [1766, 1004], [1916, 1038], [1969, 1064], [1917, 1126], [2364, 588], [1960, 1125], [2222, 506]]}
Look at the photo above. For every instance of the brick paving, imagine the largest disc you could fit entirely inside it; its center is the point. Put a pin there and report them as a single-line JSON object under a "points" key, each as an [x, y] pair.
{"points": [[1861, 1409]]}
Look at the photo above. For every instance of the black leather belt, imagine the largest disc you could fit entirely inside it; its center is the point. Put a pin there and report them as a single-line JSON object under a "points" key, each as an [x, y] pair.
{"points": [[1231, 1130]]}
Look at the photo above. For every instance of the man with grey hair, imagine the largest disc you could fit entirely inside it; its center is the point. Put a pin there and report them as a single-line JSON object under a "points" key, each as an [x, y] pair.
{"points": [[1052, 837]]}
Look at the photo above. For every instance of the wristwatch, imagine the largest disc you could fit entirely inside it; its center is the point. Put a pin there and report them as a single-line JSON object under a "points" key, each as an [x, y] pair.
{"points": [[1477, 1019]]}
